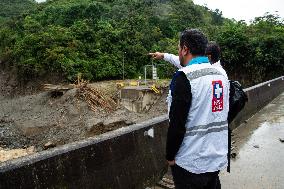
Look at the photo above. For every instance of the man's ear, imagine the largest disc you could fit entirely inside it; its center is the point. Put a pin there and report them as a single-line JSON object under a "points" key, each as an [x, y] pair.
{"points": [[185, 51], [209, 57]]}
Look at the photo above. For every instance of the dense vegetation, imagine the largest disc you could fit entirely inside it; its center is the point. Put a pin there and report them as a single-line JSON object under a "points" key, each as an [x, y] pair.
{"points": [[14, 8], [94, 37], [253, 53]]}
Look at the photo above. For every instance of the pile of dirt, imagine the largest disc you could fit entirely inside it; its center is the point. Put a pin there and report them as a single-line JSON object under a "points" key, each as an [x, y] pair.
{"points": [[40, 119], [12, 83]]}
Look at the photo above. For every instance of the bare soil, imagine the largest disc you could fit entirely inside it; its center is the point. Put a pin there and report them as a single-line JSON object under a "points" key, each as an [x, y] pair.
{"points": [[30, 120]]}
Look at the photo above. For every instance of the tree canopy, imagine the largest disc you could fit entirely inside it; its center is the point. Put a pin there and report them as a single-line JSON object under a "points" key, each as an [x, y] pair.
{"points": [[94, 37], [14, 8]]}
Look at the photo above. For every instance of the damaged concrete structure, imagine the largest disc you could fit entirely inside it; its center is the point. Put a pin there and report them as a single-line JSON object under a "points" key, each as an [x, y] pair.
{"points": [[138, 98], [130, 157]]}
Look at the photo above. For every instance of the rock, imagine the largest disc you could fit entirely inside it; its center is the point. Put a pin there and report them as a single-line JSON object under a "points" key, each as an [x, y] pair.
{"points": [[281, 139], [49, 145], [256, 146], [233, 155], [93, 123], [128, 122], [115, 121]]}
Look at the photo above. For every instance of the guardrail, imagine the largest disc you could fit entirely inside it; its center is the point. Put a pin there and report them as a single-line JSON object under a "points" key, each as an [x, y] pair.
{"points": [[259, 96], [130, 157]]}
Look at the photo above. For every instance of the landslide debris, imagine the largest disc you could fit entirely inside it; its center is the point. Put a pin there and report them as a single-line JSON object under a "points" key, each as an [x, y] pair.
{"points": [[47, 119]]}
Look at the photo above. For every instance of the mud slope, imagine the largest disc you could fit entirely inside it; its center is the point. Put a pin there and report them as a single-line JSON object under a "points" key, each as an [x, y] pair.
{"points": [[37, 119]]}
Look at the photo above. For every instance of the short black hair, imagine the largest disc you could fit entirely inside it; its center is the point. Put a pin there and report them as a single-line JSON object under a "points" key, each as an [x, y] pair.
{"points": [[195, 40], [213, 49]]}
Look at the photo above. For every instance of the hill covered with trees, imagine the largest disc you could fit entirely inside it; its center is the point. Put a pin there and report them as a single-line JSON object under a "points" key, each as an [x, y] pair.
{"points": [[92, 38], [14, 8]]}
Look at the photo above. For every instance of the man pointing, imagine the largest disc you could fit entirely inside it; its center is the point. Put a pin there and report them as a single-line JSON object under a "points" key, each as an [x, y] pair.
{"points": [[213, 53], [197, 139]]}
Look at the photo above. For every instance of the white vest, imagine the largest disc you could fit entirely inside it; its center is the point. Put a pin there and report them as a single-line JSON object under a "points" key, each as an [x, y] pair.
{"points": [[205, 144]]}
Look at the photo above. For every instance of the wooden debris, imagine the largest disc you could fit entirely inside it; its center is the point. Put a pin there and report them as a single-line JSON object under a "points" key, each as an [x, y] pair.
{"points": [[92, 96], [50, 87], [95, 98]]}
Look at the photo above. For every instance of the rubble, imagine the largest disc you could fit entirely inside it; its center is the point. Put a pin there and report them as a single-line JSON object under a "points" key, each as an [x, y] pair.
{"points": [[36, 119]]}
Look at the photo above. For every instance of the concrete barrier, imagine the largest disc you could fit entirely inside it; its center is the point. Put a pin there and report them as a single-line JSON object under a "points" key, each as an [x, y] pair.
{"points": [[259, 96], [125, 158]]}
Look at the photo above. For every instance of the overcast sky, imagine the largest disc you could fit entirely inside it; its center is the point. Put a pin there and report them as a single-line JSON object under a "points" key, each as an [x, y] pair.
{"points": [[244, 9], [241, 9]]}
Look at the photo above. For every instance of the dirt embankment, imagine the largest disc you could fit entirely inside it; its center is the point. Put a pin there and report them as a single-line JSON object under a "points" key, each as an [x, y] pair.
{"points": [[29, 121]]}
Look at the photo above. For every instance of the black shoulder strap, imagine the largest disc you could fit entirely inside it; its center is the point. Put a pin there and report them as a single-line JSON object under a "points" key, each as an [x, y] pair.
{"points": [[229, 149]]}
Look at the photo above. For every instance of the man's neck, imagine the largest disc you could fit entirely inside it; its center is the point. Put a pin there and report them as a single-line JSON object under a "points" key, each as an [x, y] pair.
{"points": [[187, 59]]}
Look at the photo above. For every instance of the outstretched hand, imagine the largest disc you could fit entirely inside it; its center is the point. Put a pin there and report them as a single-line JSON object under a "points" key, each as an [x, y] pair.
{"points": [[157, 55]]}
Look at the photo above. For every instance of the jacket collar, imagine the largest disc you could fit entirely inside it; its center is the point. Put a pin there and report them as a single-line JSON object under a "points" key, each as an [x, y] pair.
{"points": [[199, 60]]}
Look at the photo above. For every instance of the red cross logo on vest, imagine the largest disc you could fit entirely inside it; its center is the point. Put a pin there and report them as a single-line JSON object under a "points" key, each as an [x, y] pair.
{"points": [[217, 97]]}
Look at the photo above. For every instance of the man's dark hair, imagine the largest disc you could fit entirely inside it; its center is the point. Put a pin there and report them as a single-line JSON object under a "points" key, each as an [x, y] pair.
{"points": [[195, 40], [213, 49]]}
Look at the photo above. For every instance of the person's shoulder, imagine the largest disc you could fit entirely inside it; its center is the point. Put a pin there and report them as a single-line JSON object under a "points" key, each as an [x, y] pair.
{"points": [[195, 67], [222, 70], [217, 64], [179, 74], [179, 77]]}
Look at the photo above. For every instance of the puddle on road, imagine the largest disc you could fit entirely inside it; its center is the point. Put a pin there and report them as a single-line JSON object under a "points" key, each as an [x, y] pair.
{"points": [[259, 162], [270, 116]]}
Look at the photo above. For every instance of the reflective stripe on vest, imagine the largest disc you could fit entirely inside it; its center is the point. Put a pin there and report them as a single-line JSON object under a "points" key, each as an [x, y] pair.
{"points": [[202, 130], [203, 72], [205, 145]]}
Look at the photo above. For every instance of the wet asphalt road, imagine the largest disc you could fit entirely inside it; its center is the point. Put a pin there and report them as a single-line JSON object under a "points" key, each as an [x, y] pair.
{"points": [[259, 163]]}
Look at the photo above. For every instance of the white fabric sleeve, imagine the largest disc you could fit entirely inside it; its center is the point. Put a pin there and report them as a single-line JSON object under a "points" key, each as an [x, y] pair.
{"points": [[173, 59]]}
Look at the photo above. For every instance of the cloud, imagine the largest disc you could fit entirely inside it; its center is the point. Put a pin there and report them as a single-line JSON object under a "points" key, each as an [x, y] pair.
{"points": [[244, 9]]}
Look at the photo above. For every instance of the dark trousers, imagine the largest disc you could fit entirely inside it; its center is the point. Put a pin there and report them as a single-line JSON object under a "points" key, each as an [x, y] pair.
{"points": [[186, 180]]}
